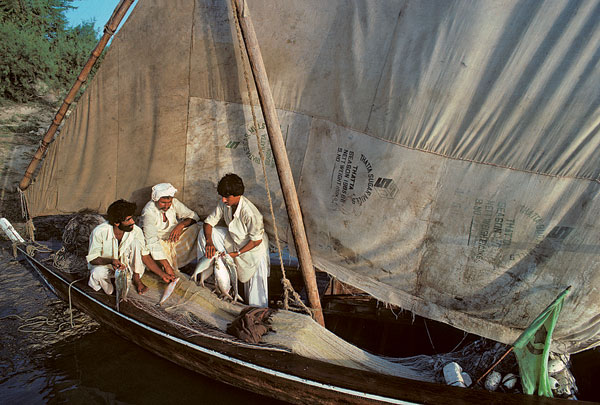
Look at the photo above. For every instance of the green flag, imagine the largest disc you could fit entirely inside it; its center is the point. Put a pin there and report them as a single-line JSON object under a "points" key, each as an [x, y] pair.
{"points": [[533, 347]]}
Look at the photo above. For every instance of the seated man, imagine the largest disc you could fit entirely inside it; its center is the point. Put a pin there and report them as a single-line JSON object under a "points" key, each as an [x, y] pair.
{"points": [[244, 238], [118, 244], [167, 228]]}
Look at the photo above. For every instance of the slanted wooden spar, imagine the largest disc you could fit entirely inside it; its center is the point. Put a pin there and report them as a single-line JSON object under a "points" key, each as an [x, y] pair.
{"points": [[281, 160], [109, 30]]}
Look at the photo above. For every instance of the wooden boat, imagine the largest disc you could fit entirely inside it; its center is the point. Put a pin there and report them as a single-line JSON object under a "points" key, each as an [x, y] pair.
{"points": [[282, 375]]}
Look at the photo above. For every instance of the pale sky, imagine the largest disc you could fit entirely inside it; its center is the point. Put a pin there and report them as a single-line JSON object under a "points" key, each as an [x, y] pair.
{"points": [[98, 10]]}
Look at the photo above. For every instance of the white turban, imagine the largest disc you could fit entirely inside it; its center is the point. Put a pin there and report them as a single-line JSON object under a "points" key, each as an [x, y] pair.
{"points": [[163, 190]]}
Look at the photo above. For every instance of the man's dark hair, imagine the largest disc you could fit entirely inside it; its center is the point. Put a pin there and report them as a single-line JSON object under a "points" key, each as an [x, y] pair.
{"points": [[119, 210], [230, 184]]}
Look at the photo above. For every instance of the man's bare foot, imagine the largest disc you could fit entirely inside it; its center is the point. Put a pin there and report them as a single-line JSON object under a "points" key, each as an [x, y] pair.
{"points": [[139, 286]]}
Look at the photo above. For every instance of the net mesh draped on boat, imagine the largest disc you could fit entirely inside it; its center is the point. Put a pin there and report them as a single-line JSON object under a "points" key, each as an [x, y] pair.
{"points": [[195, 310]]}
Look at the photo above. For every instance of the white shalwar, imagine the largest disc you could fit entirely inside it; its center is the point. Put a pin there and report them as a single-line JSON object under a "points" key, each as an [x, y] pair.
{"points": [[103, 243], [243, 226], [157, 232]]}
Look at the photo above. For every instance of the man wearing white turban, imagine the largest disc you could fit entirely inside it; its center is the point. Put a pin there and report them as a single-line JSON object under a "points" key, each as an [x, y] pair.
{"points": [[169, 228]]}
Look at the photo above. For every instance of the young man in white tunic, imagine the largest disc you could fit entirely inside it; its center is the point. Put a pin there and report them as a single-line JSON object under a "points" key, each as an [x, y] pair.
{"points": [[244, 239], [118, 244], [169, 228]]}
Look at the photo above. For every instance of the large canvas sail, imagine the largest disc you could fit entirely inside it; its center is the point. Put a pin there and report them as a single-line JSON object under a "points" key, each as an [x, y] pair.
{"points": [[445, 153]]}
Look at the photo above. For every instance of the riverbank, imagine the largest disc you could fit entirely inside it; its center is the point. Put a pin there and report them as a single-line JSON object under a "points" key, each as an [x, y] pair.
{"points": [[22, 127]]}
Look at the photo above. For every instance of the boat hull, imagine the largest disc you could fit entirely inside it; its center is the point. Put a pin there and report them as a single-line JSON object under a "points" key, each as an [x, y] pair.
{"points": [[278, 374]]}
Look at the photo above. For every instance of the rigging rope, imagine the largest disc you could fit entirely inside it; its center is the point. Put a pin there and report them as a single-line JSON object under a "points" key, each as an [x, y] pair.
{"points": [[29, 227], [287, 285]]}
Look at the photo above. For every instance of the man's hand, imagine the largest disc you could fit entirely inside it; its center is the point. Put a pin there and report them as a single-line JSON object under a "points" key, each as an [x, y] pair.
{"points": [[156, 269], [117, 265], [210, 250], [167, 278], [176, 232], [168, 269]]}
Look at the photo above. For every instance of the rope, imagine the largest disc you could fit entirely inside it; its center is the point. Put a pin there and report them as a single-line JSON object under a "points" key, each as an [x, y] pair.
{"points": [[429, 336], [29, 227], [32, 325], [70, 303], [31, 248], [58, 259], [23, 201], [34, 247], [287, 286], [37, 322]]}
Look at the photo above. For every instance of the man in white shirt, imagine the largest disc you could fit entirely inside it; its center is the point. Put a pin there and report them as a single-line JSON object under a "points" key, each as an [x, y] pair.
{"points": [[244, 239], [118, 244], [169, 228]]}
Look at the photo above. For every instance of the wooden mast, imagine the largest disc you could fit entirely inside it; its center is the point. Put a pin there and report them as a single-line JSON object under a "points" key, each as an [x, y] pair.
{"points": [[109, 30], [281, 160]]}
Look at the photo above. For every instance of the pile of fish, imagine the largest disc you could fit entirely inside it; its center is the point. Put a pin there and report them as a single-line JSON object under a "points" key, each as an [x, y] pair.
{"points": [[225, 274]]}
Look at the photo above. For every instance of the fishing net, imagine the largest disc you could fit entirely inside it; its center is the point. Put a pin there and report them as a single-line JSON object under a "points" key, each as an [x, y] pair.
{"points": [[71, 257], [196, 310]]}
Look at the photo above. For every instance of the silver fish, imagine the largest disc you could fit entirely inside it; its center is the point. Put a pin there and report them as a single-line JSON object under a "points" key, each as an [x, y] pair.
{"points": [[222, 278], [168, 291], [122, 286], [203, 268], [230, 264]]}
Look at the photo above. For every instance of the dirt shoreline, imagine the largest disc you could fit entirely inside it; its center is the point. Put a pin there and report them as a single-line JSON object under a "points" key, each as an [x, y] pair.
{"points": [[22, 127]]}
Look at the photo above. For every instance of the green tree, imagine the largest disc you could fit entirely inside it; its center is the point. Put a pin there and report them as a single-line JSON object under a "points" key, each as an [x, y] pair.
{"points": [[37, 45], [73, 49], [26, 58]]}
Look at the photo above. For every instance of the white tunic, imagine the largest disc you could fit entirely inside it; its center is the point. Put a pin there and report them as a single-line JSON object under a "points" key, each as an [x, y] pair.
{"points": [[129, 251], [155, 229], [243, 226]]}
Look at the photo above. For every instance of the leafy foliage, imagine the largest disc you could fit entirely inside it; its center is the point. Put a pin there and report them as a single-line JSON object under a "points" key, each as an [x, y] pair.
{"points": [[38, 47]]}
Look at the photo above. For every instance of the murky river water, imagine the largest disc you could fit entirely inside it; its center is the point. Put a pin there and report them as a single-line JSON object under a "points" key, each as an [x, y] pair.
{"points": [[86, 364]]}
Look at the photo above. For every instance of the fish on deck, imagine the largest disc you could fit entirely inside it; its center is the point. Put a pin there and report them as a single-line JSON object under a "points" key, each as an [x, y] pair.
{"points": [[168, 291]]}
